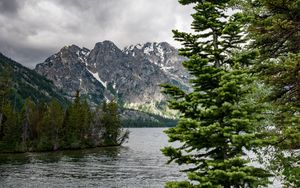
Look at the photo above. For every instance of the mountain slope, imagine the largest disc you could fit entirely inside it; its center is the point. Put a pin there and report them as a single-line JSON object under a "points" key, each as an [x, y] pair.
{"points": [[67, 69], [132, 75], [164, 56], [27, 83], [135, 81]]}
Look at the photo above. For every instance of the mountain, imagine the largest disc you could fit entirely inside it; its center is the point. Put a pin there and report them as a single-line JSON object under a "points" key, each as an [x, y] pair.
{"points": [[164, 56], [27, 83], [68, 71], [132, 75]]}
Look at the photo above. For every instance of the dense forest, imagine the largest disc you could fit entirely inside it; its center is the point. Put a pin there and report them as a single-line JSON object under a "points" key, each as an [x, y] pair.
{"points": [[50, 126]]}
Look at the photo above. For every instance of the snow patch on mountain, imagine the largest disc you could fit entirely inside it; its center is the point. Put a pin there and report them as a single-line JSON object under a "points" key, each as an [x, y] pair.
{"points": [[161, 52], [149, 49], [97, 77]]}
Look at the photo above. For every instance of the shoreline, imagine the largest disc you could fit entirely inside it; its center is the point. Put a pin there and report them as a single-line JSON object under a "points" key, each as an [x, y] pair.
{"points": [[60, 150]]}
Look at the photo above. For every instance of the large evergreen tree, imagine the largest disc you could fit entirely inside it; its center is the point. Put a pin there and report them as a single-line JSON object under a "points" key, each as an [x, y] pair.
{"points": [[274, 26], [274, 30], [218, 123]]}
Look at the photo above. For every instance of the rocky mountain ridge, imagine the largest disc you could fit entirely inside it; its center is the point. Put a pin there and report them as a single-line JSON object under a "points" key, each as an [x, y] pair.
{"points": [[132, 75]]}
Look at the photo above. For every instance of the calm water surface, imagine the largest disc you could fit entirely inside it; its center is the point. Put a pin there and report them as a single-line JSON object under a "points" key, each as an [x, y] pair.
{"points": [[139, 163]]}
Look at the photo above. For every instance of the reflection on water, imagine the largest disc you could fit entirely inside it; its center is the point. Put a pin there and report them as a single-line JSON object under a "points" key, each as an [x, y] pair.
{"points": [[139, 163]]}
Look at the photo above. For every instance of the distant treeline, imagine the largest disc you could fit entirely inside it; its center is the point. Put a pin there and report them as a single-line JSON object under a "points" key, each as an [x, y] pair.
{"points": [[49, 126], [140, 122], [148, 120]]}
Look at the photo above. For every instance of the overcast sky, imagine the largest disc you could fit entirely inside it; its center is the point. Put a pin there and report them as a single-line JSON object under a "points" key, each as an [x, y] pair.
{"points": [[32, 30]]}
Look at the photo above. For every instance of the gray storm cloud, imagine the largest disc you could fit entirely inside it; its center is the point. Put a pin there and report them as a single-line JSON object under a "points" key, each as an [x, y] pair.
{"points": [[32, 30], [8, 6]]}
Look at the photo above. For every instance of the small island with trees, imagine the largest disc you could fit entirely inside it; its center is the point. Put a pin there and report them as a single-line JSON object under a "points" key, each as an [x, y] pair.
{"points": [[51, 126]]}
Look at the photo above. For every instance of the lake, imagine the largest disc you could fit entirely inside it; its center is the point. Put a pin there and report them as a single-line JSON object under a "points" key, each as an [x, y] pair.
{"points": [[138, 163]]}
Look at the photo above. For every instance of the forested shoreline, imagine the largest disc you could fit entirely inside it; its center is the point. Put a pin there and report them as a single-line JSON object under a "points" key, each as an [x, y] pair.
{"points": [[50, 126], [31, 121]]}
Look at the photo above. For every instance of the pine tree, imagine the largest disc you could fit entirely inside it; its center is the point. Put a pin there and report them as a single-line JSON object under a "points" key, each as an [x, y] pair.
{"points": [[113, 133], [5, 89], [72, 124], [12, 130], [51, 127], [27, 122], [274, 32], [36, 119], [111, 122], [86, 122], [218, 123], [96, 128], [274, 26]]}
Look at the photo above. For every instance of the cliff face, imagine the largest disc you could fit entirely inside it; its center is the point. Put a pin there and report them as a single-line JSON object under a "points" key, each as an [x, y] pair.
{"points": [[132, 75], [68, 71]]}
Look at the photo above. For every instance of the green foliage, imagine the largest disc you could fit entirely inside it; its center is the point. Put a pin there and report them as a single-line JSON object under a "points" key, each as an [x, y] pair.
{"points": [[282, 75], [218, 123], [289, 168], [141, 122], [48, 126], [11, 137], [73, 124], [113, 133], [5, 84], [274, 26], [144, 119], [25, 83], [273, 29]]}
